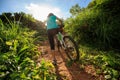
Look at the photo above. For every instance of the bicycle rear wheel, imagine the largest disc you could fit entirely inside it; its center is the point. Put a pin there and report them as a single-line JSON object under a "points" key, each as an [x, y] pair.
{"points": [[71, 48]]}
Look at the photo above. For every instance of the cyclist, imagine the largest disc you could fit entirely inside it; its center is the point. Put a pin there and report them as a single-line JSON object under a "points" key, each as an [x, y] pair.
{"points": [[52, 30]]}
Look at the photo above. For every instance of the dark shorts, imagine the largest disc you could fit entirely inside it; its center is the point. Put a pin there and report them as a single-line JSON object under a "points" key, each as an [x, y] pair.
{"points": [[51, 34]]}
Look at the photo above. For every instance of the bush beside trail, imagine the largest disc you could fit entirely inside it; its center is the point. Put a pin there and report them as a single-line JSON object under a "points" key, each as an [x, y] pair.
{"points": [[18, 53]]}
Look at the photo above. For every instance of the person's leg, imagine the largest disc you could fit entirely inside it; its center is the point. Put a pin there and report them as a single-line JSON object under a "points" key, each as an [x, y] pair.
{"points": [[52, 44]]}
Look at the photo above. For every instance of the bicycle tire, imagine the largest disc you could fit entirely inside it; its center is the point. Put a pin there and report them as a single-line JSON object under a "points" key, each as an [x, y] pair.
{"points": [[71, 50]]}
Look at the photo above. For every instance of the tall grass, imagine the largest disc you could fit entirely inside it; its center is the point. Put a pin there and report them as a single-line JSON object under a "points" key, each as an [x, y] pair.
{"points": [[97, 32], [94, 26], [17, 52]]}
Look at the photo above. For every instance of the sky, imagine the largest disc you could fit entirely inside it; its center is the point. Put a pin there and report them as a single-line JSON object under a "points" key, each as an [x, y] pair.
{"points": [[39, 9]]}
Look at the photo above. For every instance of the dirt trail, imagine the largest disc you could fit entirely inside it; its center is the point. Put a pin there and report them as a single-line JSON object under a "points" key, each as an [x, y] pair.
{"points": [[63, 71]]}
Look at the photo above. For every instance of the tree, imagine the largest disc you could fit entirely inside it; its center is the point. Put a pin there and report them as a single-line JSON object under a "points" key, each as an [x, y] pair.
{"points": [[91, 4], [75, 10], [26, 20], [4, 15]]}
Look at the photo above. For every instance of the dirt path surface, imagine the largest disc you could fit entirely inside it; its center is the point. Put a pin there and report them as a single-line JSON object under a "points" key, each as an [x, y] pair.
{"points": [[64, 71]]}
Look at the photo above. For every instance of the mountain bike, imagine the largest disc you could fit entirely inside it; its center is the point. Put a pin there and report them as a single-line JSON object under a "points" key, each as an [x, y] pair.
{"points": [[69, 45]]}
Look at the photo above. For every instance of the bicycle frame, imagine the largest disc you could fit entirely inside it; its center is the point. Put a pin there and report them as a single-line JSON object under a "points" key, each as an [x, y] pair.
{"points": [[70, 50], [60, 37]]}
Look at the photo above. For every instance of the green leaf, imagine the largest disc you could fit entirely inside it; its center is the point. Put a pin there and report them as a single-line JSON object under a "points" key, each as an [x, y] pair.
{"points": [[23, 49], [9, 43], [23, 76]]}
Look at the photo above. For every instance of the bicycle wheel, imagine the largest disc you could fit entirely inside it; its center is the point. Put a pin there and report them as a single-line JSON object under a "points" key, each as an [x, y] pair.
{"points": [[71, 48]]}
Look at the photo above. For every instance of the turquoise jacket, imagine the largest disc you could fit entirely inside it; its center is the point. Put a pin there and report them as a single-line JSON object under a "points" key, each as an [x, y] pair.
{"points": [[51, 22]]}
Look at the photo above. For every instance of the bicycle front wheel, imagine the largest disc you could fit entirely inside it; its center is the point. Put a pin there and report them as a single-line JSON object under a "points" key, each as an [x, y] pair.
{"points": [[71, 50]]}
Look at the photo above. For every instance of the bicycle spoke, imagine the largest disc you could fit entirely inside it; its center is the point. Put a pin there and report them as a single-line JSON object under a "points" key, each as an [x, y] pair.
{"points": [[71, 49]]}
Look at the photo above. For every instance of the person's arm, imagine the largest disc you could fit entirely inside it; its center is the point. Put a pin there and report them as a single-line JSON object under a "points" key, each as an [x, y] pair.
{"points": [[58, 19]]}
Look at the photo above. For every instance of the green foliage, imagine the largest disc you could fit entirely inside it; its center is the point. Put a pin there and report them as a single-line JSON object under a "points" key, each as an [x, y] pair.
{"points": [[26, 20], [17, 51], [96, 29], [97, 25], [106, 63], [91, 4], [29, 70], [46, 71], [75, 9]]}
